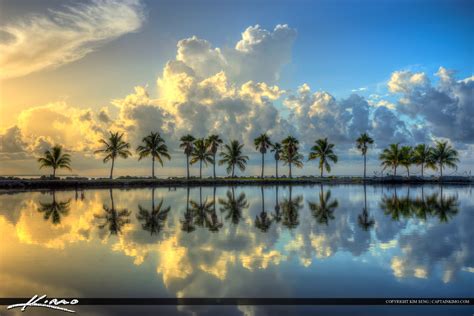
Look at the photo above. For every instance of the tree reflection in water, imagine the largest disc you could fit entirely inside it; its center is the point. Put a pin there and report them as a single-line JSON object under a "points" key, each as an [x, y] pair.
{"points": [[290, 208], [155, 219], [187, 224], [233, 206], [323, 211], [54, 210], [113, 219], [434, 205], [263, 221], [364, 220]]}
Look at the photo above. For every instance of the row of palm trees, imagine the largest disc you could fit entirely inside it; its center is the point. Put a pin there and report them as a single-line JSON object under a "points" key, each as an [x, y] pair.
{"points": [[204, 151]]}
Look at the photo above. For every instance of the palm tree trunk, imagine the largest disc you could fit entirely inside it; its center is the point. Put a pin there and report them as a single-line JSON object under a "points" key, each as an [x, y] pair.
{"points": [[187, 167], [263, 164], [441, 169], [276, 168], [214, 166], [112, 198], [422, 170], [395, 172], [153, 167], [200, 169], [365, 197], [263, 199], [290, 168], [54, 172], [112, 168], [321, 168], [233, 168], [152, 199], [365, 165]]}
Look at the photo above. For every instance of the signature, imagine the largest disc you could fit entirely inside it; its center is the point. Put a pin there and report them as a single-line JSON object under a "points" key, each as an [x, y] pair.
{"points": [[41, 301]]}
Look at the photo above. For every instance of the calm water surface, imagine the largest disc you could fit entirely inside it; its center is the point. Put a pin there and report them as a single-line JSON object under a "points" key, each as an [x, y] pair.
{"points": [[301, 241]]}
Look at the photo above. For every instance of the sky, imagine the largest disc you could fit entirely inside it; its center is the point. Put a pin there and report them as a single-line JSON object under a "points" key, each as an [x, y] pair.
{"points": [[71, 71]]}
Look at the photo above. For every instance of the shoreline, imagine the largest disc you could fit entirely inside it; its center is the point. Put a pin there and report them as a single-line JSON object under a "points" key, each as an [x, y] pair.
{"points": [[84, 183]]}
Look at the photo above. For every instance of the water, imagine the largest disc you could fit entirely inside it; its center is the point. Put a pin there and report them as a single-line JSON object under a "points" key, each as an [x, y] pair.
{"points": [[331, 241]]}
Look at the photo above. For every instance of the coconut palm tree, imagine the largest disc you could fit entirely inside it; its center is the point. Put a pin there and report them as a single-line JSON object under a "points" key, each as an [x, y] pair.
{"points": [[115, 147], [324, 210], [391, 157], [154, 146], [423, 156], [113, 218], [262, 143], [55, 159], [233, 206], [362, 143], [155, 219], [232, 156], [407, 158], [201, 154], [444, 154], [54, 210], [276, 148], [212, 143], [187, 144], [290, 154], [324, 151]]}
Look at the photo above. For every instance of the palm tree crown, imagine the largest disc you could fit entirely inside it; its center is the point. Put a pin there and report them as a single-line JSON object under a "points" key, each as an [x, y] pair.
{"points": [[187, 144], [362, 143], [391, 157], [201, 154], [422, 156], [324, 151], [212, 143], [154, 146], [262, 143], [444, 155], [407, 157], [232, 156], [55, 159], [290, 154], [115, 147]]}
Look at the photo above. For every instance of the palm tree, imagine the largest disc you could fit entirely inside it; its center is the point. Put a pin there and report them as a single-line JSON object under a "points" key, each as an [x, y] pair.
{"points": [[233, 206], [444, 155], [363, 142], [115, 147], [154, 146], [114, 219], [54, 210], [323, 151], [212, 143], [290, 154], [55, 159], [232, 156], [262, 143], [187, 143], [213, 222], [201, 154], [324, 210], [407, 158], [423, 156], [391, 157], [155, 219], [276, 148]]}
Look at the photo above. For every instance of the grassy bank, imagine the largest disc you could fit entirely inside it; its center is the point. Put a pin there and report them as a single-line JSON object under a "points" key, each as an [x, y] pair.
{"points": [[124, 182]]}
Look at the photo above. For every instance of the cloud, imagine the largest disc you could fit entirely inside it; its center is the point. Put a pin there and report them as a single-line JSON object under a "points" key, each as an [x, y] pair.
{"points": [[259, 55], [446, 109], [39, 42]]}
